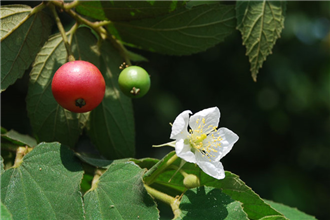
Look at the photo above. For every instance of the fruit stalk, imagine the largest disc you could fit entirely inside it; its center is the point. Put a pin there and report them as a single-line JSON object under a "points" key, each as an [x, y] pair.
{"points": [[63, 34]]}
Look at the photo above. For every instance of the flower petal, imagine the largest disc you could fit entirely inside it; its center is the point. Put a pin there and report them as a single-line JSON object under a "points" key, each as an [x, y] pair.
{"points": [[180, 126], [228, 139], [184, 151], [211, 116], [212, 168]]}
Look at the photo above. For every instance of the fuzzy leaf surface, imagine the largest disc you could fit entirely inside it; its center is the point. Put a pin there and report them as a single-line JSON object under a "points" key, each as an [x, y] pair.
{"points": [[289, 212], [19, 139], [120, 194], [45, 185], [4, 213], [182, 32], [126, 10], [22, 36], [210, 203], [260, 23]]}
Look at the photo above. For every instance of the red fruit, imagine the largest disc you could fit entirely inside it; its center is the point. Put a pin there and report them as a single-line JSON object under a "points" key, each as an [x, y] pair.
{"points": [[78, 86]]}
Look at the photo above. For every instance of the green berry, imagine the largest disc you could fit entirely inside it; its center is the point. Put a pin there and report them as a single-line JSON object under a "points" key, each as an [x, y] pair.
{"points": [[134, 81]]}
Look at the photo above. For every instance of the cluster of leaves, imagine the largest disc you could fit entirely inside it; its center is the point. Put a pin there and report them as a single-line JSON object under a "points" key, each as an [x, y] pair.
{"points": [[46, 184], [168, 27], [46, 180]]}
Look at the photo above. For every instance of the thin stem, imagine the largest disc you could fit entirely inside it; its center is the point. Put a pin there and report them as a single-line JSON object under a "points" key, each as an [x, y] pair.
{"points": [[155, 174], [173, 202], [97, 27], [160, 195], [122, 50], [21, 151], [63, 33], [37, 8], [66, 6], [171, 144]]}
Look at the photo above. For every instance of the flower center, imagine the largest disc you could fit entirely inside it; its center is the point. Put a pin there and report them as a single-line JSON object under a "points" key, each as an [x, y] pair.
{"points": [[198, 136]]}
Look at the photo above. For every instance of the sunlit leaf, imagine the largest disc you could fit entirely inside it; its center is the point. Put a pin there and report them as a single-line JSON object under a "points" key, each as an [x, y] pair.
{"points": [[290, 213], [260, 23], [4, 213], [45, 185], [126, 10], [2, 166], [253, 205], [22, 35], [19, 139], [210, 203], [182, 32], [120, 194]]}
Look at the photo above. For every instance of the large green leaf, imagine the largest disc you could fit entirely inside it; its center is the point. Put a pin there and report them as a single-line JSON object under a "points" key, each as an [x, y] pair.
{"points": [[111, 124], [260, 23], [182, 32], [49, 120], [19, 139], [4, 213], [290, 213], [120, 194], [126, 10], [253, 205], [22, 35], [45, 185], [233, 186], [210, 203]]}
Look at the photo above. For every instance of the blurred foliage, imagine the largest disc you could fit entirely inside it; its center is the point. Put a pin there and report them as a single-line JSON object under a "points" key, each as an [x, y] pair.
{"points": [[283, 120]]}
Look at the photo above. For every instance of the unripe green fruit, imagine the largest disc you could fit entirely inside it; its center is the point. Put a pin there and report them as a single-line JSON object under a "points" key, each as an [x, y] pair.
{"points": [[78, 86], [134, 81], [191, 181]]}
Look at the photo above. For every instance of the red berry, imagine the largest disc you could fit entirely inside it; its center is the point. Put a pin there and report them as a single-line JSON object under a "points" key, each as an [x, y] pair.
{"points": [[78, 86]]}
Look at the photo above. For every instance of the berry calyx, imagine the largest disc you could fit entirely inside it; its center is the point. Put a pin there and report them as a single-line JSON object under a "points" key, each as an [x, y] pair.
{"points": [[78, 86], [134, 81]]}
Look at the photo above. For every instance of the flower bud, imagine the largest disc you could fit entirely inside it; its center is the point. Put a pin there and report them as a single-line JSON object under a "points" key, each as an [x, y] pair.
{"points": [[191, 181]]}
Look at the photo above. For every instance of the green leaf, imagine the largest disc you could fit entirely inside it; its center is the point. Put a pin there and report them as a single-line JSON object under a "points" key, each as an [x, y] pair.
{"points": [[120, 194], [260, 23], [45, 185], [146, 163], [22, 35], [182, 32], [3, 130], [253, 205], [111, 124], [98, 162], [2, 166], [19, 139], [209, 203], [126, 10], [290, 213], [49, 121], [4, 213], [135, 57], [191, 4]]}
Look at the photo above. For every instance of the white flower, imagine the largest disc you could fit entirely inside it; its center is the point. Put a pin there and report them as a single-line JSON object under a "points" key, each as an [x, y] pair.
{"points": [[203, 144]]}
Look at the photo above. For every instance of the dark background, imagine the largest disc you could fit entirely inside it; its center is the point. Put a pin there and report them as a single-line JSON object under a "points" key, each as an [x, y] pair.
{"points": [[283, 120]]}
